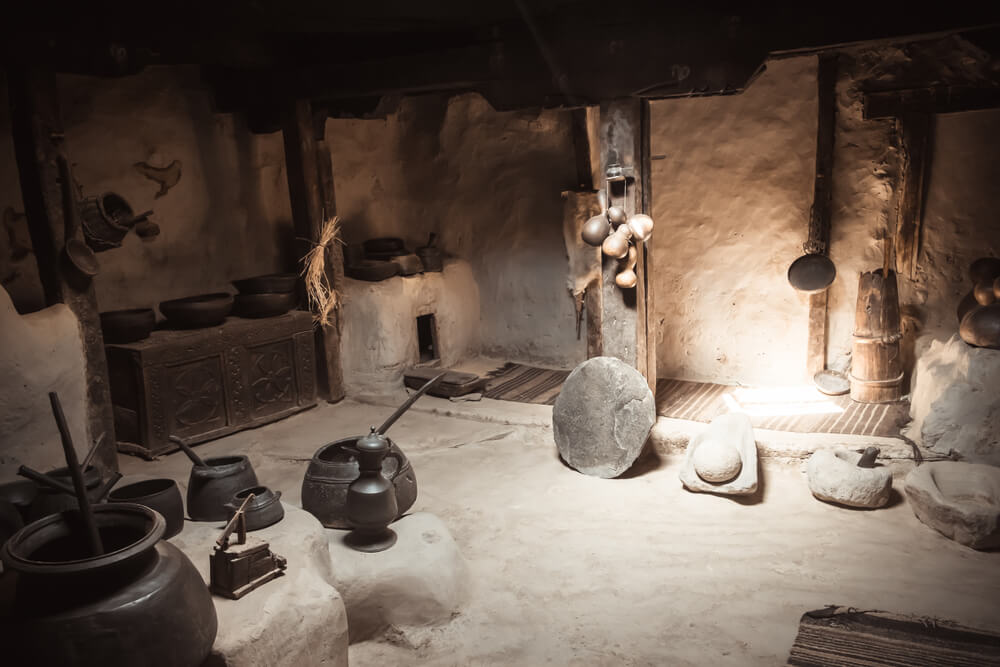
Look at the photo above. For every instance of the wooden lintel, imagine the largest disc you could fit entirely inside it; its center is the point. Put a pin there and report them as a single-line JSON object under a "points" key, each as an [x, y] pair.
{"points": [[819, 219], [53, 219], [914, 132], [310, 188], [930, 100]]}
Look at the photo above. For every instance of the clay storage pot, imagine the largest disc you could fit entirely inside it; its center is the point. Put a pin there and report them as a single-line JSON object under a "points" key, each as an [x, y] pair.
{"points": [[49, 501], [264, 305], [264, 510], [271, 283], [214, 484], [141, 603], [981, 326], [335, 466], [195, 312], [384, 248], [127, 326], [371, 270], [105, 220], [161, 495]]}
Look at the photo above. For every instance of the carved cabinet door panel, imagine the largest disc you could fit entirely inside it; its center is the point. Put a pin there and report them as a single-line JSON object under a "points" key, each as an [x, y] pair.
{"points": [[271, 378], [195, 396]]}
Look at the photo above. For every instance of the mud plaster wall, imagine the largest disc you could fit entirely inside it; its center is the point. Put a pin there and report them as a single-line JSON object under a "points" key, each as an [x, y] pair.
{"points": [[227, 217], [39, 352], [489, 184], [731, 201]]}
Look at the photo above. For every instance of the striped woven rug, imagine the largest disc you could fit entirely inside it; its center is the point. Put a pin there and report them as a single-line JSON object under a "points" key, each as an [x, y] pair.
{"points": [[525, 384], [796, 409], [841, 637]]}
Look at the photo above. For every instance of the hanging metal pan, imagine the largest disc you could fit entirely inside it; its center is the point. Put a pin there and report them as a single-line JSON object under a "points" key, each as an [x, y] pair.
{"points": [[812, 273]]}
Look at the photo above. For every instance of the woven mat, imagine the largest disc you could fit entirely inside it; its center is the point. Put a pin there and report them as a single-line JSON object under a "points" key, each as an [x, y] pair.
{"points": [[800, 410], [525, 384], [842, 637]]}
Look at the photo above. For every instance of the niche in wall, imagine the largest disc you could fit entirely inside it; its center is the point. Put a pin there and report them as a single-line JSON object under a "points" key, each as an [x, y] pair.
{"points": [[427, 337]]}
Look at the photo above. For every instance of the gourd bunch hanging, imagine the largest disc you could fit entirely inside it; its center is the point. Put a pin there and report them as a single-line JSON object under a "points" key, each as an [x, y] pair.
{"points": [[616, 233]]}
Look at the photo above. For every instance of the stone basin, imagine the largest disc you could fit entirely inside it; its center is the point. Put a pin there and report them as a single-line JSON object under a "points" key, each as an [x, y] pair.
{"points": [[834, 476], [959, 500]]}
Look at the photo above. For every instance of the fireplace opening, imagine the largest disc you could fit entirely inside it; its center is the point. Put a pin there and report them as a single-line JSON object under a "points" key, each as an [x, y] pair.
{"points": [[427, 337]]}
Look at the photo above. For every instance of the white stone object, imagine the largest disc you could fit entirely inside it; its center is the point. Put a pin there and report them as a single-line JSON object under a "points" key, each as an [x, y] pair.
{"points": [[834, 476], [955, 401], [602, 417], [959, 500], [716, 461], [731, 430], [296, 619], [420, 581]]}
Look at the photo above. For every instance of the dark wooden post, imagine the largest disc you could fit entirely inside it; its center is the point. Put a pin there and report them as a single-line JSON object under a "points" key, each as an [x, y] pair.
{"points": [[310, 187], [914, 131], [819, 219], [53, 218], [623, 321]]}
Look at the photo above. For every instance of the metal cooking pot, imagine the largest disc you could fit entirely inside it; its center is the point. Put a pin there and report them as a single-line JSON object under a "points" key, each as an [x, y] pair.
{"points": [[335, 466]]}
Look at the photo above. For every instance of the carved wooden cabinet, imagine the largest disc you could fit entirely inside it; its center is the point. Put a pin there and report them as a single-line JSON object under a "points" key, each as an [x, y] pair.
{"points": [[202, 384]]}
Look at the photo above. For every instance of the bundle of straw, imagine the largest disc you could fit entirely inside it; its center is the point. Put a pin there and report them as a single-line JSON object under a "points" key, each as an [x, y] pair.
{"points": [[323, 298]]}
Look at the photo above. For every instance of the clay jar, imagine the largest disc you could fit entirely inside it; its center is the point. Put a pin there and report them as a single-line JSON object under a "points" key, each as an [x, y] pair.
{"points": [[141, 603], [335, 466], [161, 495], [214, 484], [49, 501]]}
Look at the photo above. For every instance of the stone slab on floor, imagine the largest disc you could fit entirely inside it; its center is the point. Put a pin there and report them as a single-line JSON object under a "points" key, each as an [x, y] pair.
{"points": [[602, 417], [732, 429], [959, 500], [834, 476], [297, 619], [420, 581]]}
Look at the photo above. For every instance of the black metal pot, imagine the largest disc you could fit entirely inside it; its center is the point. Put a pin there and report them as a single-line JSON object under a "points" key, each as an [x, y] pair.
{"points": [[49, 501], [267, 284], [193, 312], [127, 326], [214, 484], [161, 495], [264, 305], [141, 603], [332, 469], [264, 510]]}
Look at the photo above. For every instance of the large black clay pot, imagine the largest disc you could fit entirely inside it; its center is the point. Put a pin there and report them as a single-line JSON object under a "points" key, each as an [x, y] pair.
{"points": [[49, 501], [335, 466], [141, 603], [214, 484], [161, 495]]}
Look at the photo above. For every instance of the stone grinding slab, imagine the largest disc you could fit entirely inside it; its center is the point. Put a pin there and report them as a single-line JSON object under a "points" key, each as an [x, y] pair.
{"points": [[733, 428], [602, 417]]}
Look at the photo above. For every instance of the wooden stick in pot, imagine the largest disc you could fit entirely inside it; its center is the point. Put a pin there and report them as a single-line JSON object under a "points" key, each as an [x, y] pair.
{"points": [[82, 499]]}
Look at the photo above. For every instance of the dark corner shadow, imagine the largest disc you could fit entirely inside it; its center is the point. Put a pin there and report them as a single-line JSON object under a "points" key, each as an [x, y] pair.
{"points": [[648, 461]]}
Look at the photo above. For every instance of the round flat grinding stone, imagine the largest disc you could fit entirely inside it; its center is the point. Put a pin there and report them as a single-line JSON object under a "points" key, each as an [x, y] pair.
{"points": [[602, 417]]}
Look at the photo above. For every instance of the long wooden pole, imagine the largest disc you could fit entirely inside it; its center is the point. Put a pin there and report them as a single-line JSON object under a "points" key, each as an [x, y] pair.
{"points": [[86, 511]]}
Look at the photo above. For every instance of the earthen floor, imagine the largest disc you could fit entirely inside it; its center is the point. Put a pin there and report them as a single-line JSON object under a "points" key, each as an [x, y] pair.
{"points": [[573, 570]]}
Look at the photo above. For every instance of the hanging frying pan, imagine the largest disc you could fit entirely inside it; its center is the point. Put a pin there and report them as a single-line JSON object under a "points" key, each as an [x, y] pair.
{"points": [[812, 273]]}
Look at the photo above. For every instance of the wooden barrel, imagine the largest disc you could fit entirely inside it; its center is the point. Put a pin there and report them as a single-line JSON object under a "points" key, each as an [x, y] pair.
{"points": [[877, 369]]}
